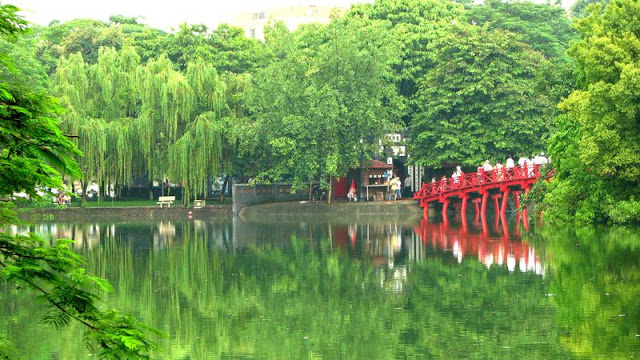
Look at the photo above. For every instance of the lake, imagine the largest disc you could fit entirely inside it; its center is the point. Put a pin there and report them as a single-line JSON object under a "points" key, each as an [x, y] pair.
{"points": [[361, 288]]}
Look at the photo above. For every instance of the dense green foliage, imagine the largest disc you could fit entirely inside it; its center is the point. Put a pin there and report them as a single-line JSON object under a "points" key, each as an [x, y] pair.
{"points": [[33, 152], [417, 26], [545, 28], [596, 149], [320, 97], [481, 101]]}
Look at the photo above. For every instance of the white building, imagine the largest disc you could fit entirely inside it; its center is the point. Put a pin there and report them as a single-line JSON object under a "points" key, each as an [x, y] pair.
{"points": [[253, 22]]}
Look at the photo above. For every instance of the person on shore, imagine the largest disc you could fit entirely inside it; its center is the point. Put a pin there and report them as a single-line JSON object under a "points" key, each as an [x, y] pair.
{"points": [[393, 186], [407, 187], [398, 188]]}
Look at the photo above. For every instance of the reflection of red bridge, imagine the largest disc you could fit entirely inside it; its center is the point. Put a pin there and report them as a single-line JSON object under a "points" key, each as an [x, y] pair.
{"points": [[500, 250], [479, 185]]}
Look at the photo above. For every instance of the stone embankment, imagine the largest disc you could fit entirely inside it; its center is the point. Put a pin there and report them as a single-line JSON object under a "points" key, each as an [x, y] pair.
{"points": [[395, 210]]}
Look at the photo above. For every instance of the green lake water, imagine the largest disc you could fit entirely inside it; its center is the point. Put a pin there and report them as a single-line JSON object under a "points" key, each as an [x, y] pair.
{"points": [[361, 288]]}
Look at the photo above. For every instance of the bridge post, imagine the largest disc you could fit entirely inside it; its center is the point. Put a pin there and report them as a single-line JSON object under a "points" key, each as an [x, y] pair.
{"points": [[476, 205], [516, 195], [463, 218], [525, 216], [483, 207], [505, 199], [426, 210], [445, 207], [496, 203], [463, 210]]}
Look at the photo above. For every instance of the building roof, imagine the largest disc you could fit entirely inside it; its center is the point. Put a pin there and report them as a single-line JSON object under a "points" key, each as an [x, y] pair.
{"points": [[376, 164]]}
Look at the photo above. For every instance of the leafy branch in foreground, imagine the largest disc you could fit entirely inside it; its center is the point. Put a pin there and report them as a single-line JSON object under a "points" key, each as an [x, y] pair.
{"points": [[55, 273]]}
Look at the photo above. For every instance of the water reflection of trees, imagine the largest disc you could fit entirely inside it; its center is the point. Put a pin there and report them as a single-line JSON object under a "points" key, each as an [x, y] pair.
{"points": [[358, 290], [596, 286]]}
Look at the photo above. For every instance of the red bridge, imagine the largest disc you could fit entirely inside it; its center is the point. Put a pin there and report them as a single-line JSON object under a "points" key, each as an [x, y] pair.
{"points": [[478, 186]]}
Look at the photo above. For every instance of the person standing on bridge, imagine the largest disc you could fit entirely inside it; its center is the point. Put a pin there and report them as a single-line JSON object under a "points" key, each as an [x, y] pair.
{"points": [[455, 176], [510, 164], [443, 184], [499, 172], [521, 161], [529, 164]]}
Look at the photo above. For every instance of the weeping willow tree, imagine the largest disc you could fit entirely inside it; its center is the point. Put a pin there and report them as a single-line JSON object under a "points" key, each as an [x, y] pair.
{"points": [[149, 119], [113, 80], [196, 155], [97, 99]]}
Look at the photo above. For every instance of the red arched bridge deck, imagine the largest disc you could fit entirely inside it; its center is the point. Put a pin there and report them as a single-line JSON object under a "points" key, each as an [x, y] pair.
{"points": [[478, 186]]}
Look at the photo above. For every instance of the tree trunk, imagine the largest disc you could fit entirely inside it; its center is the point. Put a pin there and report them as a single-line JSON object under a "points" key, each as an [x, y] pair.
{"points": [[102, 192], [224, 188], [151, 189], [185, 196], [310, 189], [83, 203], [330, 190]]}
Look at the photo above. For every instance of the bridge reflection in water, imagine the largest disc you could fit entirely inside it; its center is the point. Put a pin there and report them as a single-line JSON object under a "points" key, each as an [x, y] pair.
{"points": [[498, 247], [498, 243]]}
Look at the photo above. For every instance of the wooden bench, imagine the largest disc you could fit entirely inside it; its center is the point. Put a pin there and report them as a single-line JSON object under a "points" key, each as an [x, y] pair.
{"points": [[166, 200]]}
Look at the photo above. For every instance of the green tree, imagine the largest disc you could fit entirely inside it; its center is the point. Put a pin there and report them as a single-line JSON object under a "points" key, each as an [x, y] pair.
{"points": [[33, 151], [417, 26], [579, 9], [146, 120], [324, 101], [544, 27], [481, 100], [596, 150]]}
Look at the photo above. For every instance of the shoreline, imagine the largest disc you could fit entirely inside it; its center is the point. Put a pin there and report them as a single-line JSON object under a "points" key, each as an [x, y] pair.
{"points": [[400, 208]]}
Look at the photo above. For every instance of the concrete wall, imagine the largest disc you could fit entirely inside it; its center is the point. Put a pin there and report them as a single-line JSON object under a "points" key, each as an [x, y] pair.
{"points": [[244, 195]]}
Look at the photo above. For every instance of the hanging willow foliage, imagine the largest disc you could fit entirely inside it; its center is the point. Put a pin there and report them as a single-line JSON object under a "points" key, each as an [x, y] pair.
{"points": [[71, 84], [120, 142], [209, 88], [197, 154], [94, 146], [146, 119]]}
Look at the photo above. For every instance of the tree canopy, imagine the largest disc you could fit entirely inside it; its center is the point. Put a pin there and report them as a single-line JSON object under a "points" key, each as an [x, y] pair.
{"points": [[324, 99], [481, 101], [597, 147]]}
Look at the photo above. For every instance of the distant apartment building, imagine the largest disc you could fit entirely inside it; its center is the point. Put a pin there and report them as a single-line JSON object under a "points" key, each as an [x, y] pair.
{"points": [[253, 22]]}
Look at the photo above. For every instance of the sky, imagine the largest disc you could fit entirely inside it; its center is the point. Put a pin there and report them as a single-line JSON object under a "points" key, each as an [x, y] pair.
{"points": [[162, 14]]}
